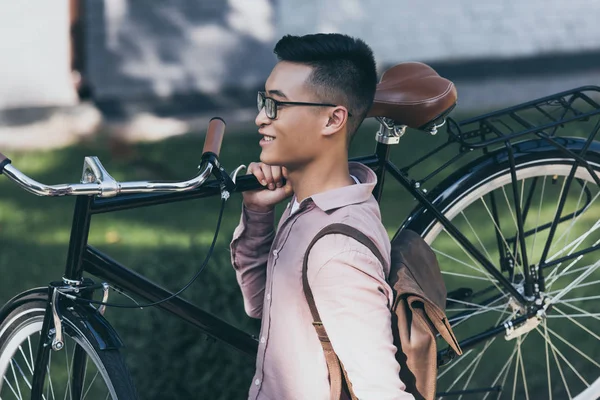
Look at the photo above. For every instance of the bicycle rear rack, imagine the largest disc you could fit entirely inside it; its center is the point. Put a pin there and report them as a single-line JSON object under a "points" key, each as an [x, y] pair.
{"points": [[544, 118], [541, 117]]}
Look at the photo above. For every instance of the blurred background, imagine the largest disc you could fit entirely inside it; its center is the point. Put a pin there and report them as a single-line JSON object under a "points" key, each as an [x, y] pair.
{"points": [[135, 82]]}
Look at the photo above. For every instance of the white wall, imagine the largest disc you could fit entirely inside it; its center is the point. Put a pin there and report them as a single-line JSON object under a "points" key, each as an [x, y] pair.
{"points": [[426, 30], [34, 54]]}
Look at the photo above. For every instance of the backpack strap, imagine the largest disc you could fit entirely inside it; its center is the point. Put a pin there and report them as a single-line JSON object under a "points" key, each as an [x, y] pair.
{"points": [[334, 365]]}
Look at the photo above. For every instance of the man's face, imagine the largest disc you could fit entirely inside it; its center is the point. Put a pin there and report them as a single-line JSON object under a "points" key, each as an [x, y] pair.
{"points": [[292, 139]]}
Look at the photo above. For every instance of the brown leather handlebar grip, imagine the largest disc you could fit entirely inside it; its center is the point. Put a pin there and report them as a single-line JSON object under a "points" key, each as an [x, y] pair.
{"points": [[214, 136]]}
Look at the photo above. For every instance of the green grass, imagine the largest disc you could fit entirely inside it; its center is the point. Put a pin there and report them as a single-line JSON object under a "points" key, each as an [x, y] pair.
{"points": [[166, 243]]}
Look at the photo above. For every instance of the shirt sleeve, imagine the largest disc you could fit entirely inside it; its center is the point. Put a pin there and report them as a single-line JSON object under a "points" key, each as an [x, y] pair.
{"points": [[252, 240], [353, 298]]}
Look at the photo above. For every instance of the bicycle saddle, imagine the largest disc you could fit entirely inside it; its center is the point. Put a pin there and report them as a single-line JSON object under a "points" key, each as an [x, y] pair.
{"points": [[413, 94]]}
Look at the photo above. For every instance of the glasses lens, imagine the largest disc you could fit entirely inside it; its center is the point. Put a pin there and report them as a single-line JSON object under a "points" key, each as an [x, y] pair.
{"points": [[260, 101], [271, 108]]}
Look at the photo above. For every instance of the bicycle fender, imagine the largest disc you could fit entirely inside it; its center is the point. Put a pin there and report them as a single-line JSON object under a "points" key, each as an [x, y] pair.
{"points": [[446, 191], [84, 317], [78, 318], [40, 293]]}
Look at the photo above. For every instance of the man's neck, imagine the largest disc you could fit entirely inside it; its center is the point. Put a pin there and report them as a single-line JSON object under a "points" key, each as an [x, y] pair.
{"points": [[320, 176]]}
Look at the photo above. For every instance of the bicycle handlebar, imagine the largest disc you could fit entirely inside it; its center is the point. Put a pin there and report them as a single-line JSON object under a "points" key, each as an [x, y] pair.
{"points": [[214, 136], [97, 181]]}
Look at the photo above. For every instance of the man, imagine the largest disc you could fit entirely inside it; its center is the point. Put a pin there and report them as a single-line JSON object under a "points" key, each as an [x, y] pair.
{"points": [[315, 99]]}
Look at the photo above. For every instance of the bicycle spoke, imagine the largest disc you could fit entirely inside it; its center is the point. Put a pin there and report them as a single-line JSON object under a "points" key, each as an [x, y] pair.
{"points": [[517, 265], [505, 367], [563, 357], [68, 390], [50, 388], [490, 277], [554, 279], [574, 245], [12, 367], [459, 377], [85, 375], [479, 358], [562, 375], [517, 364], [476, 236], [90, 386], [25, 359], [578, 286], [482, 310], [462, 262], [580, 299], [520, 354], [575, 282], [537, 221], [475, 305], [556, 212], [595, 316], [454, 364], [481, 278], [30, 352], [12, 389], [510, 210], [548, 363], [575, 219], [583, 312], [576, 322], [581, 353]]}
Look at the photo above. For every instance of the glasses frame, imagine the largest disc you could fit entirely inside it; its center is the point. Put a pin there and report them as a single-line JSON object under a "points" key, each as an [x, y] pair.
{"points": [[262, 98]]}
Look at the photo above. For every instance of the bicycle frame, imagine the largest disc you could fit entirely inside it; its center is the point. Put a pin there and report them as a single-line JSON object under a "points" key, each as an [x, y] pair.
{"points": [[84, 258]]}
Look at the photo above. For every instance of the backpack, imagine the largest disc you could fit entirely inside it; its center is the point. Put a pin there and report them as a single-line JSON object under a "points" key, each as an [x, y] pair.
{"points": [[419, 295]]}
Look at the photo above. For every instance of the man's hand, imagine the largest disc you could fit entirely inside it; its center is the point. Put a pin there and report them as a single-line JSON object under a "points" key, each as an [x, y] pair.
{"points": [[271, 178]]}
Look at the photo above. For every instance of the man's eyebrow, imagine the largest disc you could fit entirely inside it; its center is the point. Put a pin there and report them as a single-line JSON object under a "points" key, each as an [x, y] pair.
{"points": [[276, 92]]}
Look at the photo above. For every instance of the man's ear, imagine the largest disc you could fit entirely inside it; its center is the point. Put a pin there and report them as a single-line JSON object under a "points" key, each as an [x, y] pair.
{"points": [[336, 121]]}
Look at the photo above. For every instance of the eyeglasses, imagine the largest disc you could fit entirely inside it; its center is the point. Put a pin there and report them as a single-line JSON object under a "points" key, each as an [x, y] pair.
{"points": [[271, 105]]}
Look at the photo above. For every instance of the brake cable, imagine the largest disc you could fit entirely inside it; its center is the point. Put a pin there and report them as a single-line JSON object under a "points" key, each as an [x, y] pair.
{"points": [[187, 285]]}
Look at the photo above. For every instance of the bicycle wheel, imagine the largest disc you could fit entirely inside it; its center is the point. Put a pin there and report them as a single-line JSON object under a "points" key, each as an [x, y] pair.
{"points": [[105, 375], [559, 357]]}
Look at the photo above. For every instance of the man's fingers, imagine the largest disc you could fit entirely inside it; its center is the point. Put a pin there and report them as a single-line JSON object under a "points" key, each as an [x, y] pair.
{"points": [[256, 170], [268, 173], [276, 171]]}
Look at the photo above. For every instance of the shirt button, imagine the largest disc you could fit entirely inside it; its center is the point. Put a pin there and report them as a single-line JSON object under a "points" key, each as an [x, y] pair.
{"points": [[268, 296], [257, 382], [262, 339], [275, 253]]}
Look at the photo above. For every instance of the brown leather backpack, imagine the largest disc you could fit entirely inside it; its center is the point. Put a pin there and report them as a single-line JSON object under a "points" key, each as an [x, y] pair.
{"points": [[417, 312]]}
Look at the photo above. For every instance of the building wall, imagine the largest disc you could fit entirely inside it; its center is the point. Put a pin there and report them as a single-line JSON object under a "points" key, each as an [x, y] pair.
{"points": [[210, 49], [435, 30], [34, 49], [204, 45]]}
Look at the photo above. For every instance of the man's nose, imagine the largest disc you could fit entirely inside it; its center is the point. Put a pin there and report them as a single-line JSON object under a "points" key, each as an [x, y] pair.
{"points": [[261, 118]]}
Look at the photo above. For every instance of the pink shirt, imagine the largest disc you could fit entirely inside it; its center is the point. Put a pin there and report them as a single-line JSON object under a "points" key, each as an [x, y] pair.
{"points": [[349, 287]]}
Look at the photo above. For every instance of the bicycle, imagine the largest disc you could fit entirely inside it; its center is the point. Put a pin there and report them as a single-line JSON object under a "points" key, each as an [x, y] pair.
{"points": [[512, 168]]}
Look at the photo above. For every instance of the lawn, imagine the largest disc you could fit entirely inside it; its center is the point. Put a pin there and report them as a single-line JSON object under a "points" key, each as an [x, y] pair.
{"points": [[166, 243]]}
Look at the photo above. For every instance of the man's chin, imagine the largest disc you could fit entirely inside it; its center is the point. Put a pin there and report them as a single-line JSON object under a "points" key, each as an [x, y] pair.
{"points": [[268, 159]]}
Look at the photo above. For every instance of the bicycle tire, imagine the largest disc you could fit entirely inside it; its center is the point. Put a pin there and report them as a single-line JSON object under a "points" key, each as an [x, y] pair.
{"points": [[527, 362], [19, 337]]}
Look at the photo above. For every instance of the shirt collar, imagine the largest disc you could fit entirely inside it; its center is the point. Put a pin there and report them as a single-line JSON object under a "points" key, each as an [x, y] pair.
{"points": [[351, 194]]}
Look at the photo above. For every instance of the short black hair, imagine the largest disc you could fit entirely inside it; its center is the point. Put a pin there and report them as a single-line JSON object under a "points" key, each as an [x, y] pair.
{"points": [[344, 70]]}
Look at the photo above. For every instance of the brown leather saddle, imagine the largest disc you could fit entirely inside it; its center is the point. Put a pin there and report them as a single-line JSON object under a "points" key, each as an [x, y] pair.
{"points": [[413, 94]]}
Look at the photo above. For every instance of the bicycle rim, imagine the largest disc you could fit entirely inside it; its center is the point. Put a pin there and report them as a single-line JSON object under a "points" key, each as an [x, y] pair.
{"points": [[558, 357], [20, 336]]}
